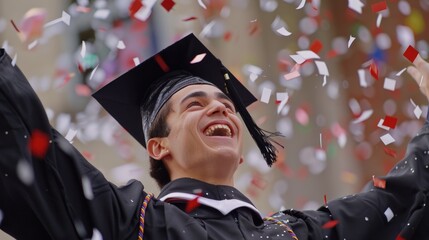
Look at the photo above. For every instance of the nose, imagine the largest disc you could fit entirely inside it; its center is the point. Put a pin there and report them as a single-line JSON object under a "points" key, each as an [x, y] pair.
{"points": [[217, 107]]}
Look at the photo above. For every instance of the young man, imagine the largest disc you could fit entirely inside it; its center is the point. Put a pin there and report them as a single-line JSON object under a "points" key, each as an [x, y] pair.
{"points": [[184, 112]]}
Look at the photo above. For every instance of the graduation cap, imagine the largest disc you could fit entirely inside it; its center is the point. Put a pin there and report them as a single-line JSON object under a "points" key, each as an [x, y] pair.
{"points": [[135, 98]]}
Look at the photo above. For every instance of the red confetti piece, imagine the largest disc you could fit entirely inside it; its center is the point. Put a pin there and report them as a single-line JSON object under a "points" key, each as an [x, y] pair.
{"points": [[254, 27], [325, 200], [380, 183], [378, 7], [82, 90], [39, 143], [411, 53], [168, 4], [14, 25], [258, 181], [399, 237], [390, 122], [390, 152], [330, 224], [189, 19], [162, 63], [373, 70], [192, 204], [80, 68], [227, 36], [316, 46], [135, 7]]}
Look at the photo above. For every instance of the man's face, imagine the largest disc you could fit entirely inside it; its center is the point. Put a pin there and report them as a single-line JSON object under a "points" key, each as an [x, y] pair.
{"points": [[205, 132]]}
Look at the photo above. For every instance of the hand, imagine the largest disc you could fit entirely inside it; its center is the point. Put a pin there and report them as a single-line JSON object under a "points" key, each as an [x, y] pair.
{"points": [[420, 73]]}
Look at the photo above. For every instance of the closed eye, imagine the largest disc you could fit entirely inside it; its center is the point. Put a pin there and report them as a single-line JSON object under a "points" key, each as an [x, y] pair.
{"points": [[193, 104]]}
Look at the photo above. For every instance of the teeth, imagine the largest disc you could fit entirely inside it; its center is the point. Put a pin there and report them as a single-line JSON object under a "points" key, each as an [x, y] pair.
{"points": [[219, 130]]}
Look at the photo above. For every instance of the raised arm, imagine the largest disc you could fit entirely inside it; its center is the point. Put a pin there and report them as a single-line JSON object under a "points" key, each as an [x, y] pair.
{"points": [[41, 193]]}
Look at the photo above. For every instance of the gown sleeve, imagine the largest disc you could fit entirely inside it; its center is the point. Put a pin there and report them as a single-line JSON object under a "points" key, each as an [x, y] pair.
{"points": [[57, 194], [391, 207]]}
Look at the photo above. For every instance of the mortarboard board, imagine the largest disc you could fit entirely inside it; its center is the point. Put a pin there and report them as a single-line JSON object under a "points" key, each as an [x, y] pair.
{"points": [[173, 68]]}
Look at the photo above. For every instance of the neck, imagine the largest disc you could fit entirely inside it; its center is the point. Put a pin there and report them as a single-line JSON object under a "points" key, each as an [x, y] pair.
{"points": [[215, 180]]}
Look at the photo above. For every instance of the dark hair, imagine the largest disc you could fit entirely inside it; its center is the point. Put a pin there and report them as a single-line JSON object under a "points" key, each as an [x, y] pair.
{"points": [[160, 128]]}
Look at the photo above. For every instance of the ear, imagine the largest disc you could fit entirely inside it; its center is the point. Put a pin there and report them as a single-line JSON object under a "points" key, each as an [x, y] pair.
{"points": [[156, 148]]}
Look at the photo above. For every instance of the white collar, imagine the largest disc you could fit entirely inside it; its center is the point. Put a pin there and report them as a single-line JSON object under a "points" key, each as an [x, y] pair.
{"points": [[224, 206]]}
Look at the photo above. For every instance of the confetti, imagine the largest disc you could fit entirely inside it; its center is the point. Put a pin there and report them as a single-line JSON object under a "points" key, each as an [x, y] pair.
{"points": [[351, 40], [380, 125], [102, 14], [378, 21], [418, 112], [87, 188], [120, 45], [323, 69], [283, 31], [302, 116], [83, 49], [65, 18], [389, 84], [168, 4], [377, 182], [301, 4], [364, 116], [189, 19], [266, 94], [198, 58], [387, 139], [389, 214], [362, 78], [411, 53], [330, 224], [283, 98], [31, 26], [39, 143], [390, 122], [298, 59], [373, 70], [136, 61], [192, 204], [25, 172], [292, 75], [144, 11], [400, 72], [135, 7], [93, 72], [201, 3], [32, 44], [14, 25], [82, 90], [316, 46], [308, 54], [70, 135], [378, 7], [390, 152], [356, 5], [161, 63]]}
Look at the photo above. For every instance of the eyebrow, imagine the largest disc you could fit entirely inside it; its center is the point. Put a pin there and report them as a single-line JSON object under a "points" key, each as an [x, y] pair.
{"points": [[220, 95]]}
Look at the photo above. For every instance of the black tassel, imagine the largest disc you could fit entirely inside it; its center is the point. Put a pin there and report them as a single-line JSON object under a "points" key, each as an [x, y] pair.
{"points": [[262, 138]]}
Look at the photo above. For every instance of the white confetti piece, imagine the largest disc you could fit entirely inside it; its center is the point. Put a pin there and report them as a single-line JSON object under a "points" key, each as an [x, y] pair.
{"points": [[387, 139], [14, 60], [351, 40], [362, 78], [83, 49], [144, 12], [297, 58], [102, 13], [356, 5], [324, 80], [87, 188], [136, 61], [400, 72], [412, 102], [93, 72], [418, 112], [201, 3], [389, 84], [308, 54], [320, 141], [283, 31], [354, 106], [283, 97], [253, 71], [70, 135], [266, 94], [301, 4], [198, 58], [25, 172], [96, 235], [389, 214], [380, 125], [323, 69], [342, 140], [120, 45], [364, 116], [65, 18], [379, 18], [32, 44]]}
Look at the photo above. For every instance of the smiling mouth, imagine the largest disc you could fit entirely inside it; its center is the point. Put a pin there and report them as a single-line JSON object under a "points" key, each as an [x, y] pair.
{"points": [[221, 130]]}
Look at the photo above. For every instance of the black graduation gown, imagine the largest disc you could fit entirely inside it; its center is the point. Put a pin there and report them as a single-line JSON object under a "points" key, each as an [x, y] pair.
{"points": [[54, 205]]}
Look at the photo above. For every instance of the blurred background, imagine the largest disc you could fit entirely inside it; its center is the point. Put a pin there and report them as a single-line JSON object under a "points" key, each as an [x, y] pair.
{"points": [[328, 76]]}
